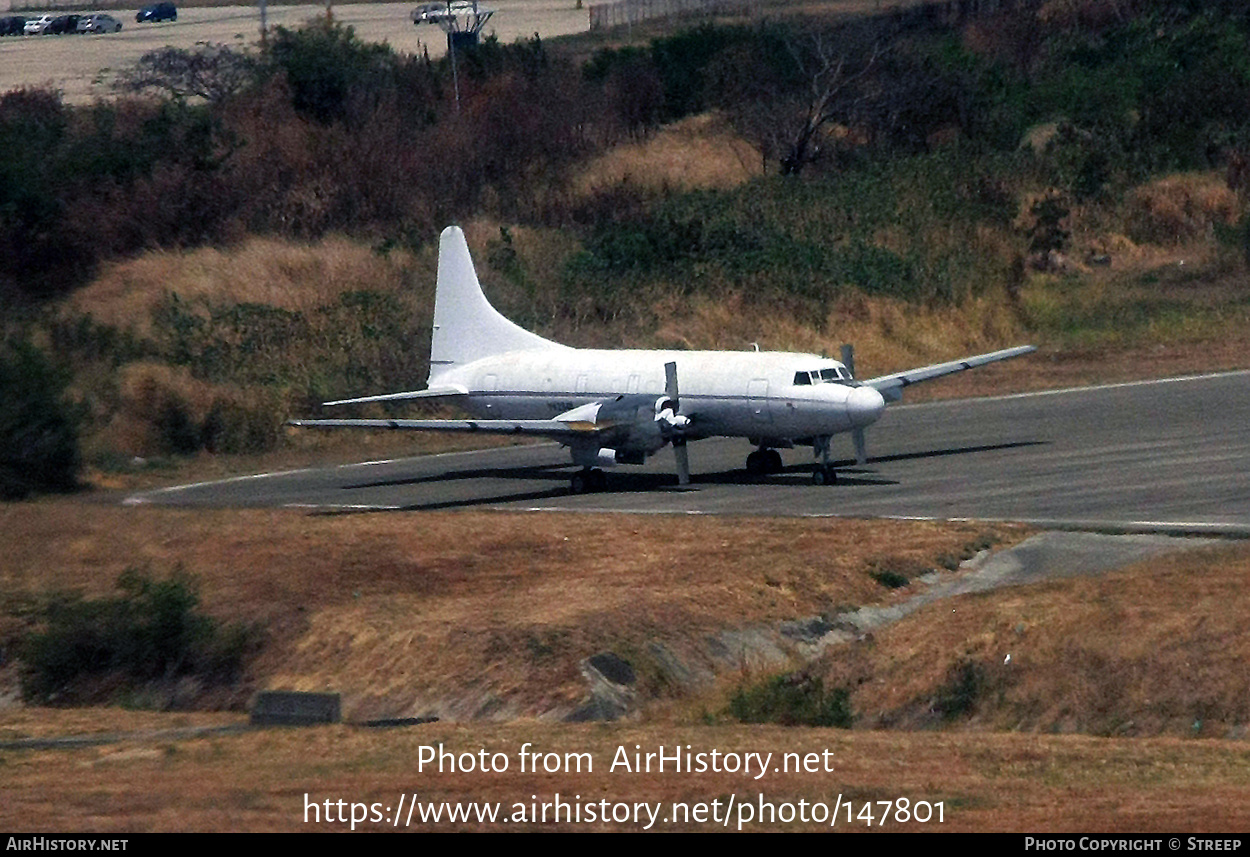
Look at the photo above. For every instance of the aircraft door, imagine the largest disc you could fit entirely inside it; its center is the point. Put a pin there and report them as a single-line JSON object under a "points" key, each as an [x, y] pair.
{"points": [[757, 400]]}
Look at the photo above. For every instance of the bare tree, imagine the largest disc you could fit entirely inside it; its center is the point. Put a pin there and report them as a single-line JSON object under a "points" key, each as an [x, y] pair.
{"points": [[785, 106], [832, 92], [208, 71]]}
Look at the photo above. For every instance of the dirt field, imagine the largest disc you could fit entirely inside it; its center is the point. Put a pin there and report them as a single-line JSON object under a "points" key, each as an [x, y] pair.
{"points": [[279, 780], [82, 67]]}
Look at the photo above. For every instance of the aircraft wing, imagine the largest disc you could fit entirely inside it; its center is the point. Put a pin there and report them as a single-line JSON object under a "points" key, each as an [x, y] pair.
{"points": [[891, 386], [556, 429], [432, 393]]}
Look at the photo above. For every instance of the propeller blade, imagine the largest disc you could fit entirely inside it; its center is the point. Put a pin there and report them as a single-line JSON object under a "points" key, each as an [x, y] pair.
{"points": [[676, 425], [683, 462], [861, 446], [848, 358]]}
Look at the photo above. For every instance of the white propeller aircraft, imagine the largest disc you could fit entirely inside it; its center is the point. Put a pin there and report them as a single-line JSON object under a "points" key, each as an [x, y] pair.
{"points": [[622, 406]]}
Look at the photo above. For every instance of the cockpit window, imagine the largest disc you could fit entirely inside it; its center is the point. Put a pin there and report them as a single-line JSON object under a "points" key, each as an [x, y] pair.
{"points": [[832, 375]]}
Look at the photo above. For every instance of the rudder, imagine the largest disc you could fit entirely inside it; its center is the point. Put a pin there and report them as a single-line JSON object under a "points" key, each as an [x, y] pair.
{"points": [[466, 326]]}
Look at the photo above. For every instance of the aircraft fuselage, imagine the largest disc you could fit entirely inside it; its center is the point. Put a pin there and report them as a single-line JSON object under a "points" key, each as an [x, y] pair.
{"points": [[746, 394]]}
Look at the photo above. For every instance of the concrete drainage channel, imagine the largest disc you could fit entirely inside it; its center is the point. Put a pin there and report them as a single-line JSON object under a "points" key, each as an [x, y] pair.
{"points": [[1050, 555], [1046, 556]]}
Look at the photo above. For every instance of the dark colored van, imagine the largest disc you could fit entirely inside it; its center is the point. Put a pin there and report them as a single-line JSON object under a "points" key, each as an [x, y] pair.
{"points": [[157, 12]]}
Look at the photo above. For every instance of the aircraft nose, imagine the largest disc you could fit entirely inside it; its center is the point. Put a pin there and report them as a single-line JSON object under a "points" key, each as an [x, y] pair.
{"points": [[864, 405]]}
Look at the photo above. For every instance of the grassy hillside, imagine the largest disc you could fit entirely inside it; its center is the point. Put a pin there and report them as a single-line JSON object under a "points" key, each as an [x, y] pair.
{"points": [[1070, 173]]}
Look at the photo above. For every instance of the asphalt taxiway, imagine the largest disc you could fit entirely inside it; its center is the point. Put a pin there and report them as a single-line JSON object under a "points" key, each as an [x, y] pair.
{"points": [[1171, 455]]}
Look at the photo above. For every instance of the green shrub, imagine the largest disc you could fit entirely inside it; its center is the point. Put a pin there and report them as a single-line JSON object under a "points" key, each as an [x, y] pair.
{"points": [[896, 571], [794, 699], [326, 64], [151, 633], [38, 427], [958, 695], [889, 578]]}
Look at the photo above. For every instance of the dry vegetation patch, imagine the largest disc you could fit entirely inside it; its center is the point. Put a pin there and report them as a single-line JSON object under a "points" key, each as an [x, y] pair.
{"points": [[696, 153], [469, 614], [1154, 648], [259, 781], [490, 604], [268, 271], [1178, 208]]}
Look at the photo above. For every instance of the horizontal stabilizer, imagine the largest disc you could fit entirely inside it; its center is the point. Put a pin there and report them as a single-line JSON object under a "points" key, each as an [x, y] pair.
{"points": [[439, 392], [891, 386]]}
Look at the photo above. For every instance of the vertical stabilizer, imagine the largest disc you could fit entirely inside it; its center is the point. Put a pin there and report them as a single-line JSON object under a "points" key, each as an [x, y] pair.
{"points": [[466, 326]]}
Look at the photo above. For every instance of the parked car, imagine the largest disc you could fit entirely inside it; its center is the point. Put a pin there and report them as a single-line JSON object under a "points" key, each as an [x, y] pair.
{"points": [[12, 25], [156, 13], [99, 23], [63, 24], [38, 26], [432, 13], [426, 12]]}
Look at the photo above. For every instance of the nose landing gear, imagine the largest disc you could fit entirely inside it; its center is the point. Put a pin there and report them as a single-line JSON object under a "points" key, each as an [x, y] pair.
{"points": [[824, 474]]}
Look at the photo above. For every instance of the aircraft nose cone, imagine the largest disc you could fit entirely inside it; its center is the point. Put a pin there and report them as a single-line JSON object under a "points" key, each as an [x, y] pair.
{"points": [[864, 406]]}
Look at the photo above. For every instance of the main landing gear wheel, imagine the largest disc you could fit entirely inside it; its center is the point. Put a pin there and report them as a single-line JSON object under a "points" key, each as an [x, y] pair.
{"points": [[588, 480], [764, 461], [824, 475]]}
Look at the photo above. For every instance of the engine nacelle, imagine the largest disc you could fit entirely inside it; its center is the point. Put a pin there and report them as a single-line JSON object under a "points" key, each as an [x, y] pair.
{"points": [[636, 426], [635, 431]]}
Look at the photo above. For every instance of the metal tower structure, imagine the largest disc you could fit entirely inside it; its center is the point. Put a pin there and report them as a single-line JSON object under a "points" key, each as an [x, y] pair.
{"points": [[462, 21]]}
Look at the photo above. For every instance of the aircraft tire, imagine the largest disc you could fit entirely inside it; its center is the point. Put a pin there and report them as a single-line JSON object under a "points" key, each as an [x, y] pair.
{"points": [[772, 461], [755, 463], [824, 476], [588, 481]]}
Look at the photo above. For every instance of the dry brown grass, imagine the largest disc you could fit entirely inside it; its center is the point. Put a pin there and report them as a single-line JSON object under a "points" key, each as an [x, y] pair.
{"points": [[1153, 649], [888, 334], [450, 611], [273, 272], [148, 390], [394, 608], [1179, 208], [259, 781], [697, 153]]}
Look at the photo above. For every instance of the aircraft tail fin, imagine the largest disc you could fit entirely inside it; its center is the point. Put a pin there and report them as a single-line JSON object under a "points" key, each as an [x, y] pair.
{"points": [[466, 326]]}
